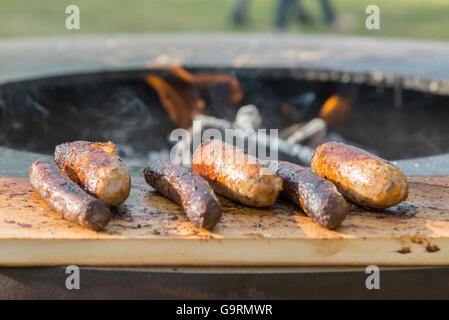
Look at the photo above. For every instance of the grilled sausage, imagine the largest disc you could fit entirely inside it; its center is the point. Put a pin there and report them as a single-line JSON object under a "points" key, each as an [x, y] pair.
{"points": [[66, 197], [186, 189], [236, 175], [360, 176], [96, 168], [316, 196]]}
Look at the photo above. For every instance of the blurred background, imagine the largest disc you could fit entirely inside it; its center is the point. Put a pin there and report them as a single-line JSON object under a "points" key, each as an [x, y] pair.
{"points": [[421, 19]]}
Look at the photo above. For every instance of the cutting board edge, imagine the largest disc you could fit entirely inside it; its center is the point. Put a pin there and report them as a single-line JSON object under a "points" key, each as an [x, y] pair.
{"points": [[255, 252]]}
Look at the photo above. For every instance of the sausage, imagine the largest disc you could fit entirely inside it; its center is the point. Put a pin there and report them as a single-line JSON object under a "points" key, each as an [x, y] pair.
{"points": [[96, 168], [236, 175], [360, 176], [66, 197], [186, 189], [316, 196]]}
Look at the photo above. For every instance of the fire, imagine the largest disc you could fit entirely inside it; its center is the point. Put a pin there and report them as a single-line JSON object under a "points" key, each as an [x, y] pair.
{"points": [[337, 107], [177, 109], [182, 97]]}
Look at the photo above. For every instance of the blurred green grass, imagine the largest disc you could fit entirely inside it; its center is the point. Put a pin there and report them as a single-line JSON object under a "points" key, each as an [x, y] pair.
{"points": [[424, 19]]}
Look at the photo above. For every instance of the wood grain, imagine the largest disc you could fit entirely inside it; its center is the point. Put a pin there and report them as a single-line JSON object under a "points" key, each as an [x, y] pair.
{"points": [[151, 230]]}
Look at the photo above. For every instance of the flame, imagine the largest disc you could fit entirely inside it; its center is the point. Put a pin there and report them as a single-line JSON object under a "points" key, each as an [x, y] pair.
{"points": [[206, 79], [337, 107], [181, 95], [174, 104]]}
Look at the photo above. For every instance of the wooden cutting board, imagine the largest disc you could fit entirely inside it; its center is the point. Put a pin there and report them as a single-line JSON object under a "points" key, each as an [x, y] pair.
{"points": [[151, 230]]}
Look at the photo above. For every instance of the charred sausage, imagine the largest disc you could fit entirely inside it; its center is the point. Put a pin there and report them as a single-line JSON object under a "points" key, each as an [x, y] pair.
{"points": [[317, 197], [360, 176], [186, 189], [236, 175], [66, 197], [96, 168]]}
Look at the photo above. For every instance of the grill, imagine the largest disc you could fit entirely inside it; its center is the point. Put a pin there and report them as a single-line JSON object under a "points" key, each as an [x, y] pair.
{"points": [[389, 97]]}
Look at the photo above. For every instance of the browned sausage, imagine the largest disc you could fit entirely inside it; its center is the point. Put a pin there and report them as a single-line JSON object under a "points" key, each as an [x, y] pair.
{"points": [[317, 197], [96, 168], [235, 174], [66, 197], [186, 189], [360, 176]]}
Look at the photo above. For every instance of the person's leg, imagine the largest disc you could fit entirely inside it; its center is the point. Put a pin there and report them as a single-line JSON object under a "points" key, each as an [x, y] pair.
{"points": [[303, 16], [282, 11], [329, 15], [240, 11]]}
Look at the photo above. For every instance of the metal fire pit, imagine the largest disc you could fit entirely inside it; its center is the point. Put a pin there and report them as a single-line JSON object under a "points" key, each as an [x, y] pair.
{"points": [[398, 65]]}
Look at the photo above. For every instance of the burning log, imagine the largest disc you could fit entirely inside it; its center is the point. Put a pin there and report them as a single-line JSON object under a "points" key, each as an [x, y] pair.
{"points": [[300, 153], [333, 112], [315, 128], [303, 154], [248, 117]]}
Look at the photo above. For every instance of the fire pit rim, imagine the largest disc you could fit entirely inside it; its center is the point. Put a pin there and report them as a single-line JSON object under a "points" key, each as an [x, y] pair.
{"points": [[398, 63]]}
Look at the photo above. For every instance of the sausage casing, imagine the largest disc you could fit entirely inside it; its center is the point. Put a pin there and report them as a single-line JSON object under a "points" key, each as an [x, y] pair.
{"points": [[96, 168], [360, 176], [187, 189], [66, 197], [317, 197], [236, 175]]}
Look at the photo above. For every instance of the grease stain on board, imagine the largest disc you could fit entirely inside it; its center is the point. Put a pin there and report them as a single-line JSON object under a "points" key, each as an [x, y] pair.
{"points": [[416, 240]]}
